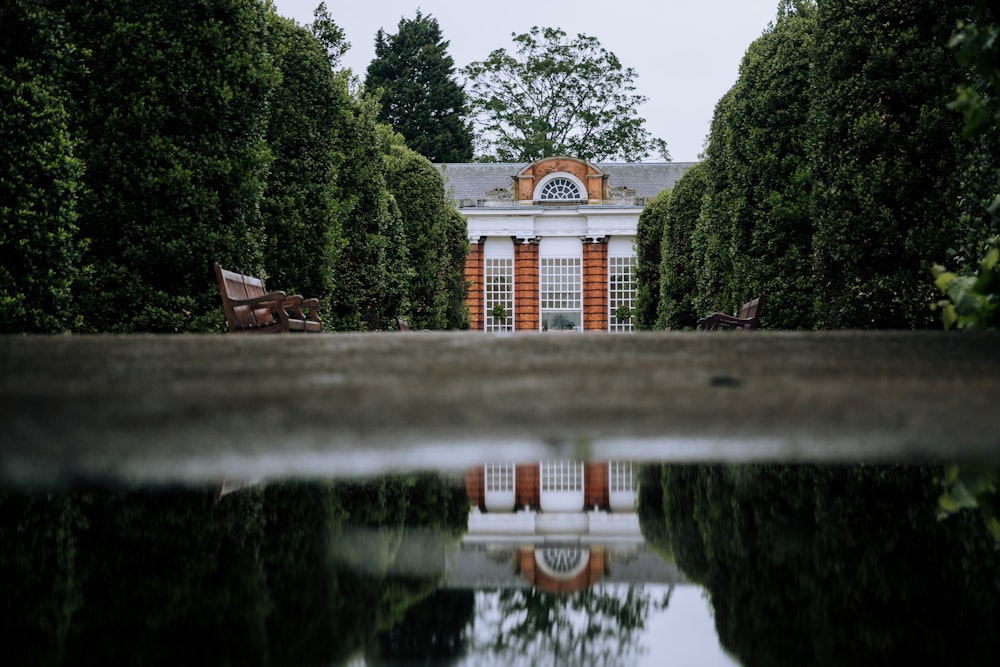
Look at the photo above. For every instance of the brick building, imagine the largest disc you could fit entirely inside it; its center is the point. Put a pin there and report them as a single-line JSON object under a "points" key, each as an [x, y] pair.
{"points": [[560, 526], [552, 241]]}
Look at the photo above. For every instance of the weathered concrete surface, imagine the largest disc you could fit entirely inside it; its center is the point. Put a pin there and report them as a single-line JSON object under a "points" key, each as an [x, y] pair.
{"points": [[153, 408]]}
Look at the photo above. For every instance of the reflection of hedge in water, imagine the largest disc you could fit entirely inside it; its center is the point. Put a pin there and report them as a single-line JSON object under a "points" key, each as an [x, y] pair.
{"points": [[844, 565], [169, 576]]}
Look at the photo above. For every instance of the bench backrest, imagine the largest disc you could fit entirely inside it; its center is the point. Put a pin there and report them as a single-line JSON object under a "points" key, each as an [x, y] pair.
{"points": [[234, 285], [751, 311]]}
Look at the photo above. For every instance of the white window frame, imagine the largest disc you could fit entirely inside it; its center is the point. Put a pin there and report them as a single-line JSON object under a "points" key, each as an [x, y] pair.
{"points": [[499, 487], [545, 180], [560, 282], [560, 485], [498, 283]]}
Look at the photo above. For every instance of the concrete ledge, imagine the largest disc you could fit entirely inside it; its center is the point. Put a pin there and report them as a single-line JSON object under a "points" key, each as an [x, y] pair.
{"points": [[154, 408]]}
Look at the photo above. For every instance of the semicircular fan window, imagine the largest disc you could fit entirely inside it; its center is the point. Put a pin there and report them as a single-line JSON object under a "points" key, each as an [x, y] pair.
{"points": [[561, 189]]}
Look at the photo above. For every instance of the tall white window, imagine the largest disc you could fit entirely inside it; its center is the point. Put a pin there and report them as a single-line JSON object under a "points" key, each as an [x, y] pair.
{"points": [[621, 284], [561, 487], [500, 487], [620, 476], [498, 285], [562, 476], [560, 278], [499, 477], [621, 486]]}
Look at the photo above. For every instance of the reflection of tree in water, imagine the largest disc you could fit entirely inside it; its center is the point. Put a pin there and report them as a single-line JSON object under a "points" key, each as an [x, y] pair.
{"points": [[598, 626], [830, 565], [170, 576]]}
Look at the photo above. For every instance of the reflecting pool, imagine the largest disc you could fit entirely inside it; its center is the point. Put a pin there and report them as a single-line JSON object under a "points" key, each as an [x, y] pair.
{"points": [[709, 564]]}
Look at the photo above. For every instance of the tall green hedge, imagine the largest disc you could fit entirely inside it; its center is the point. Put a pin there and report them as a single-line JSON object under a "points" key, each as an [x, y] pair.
{"points": [[171, 115], [40, 173], [300, 209], [835, 171], [676, 309], [649, 231], [886, 158]]}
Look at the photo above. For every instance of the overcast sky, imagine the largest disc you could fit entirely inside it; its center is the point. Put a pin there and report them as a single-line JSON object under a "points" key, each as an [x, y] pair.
{"points": [[686, 52]]}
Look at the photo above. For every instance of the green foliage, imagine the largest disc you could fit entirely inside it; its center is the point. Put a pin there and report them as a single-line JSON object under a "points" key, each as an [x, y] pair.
{"points": [[834, 170], [648, 234], [435, 268], [972, 488], [557, 96], [372, 276], [457, 237], [420, 97], [329, 34], [972, 300], [886, 157], [768, 174], [171, 116], [40, 174], [834, 565], [677, 262], [300, 209]]}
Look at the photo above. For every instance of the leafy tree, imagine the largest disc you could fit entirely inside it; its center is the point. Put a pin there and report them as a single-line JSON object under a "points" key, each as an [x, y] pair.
{"points": [[40, 172], [420, 97], [418, 189], [649, 233], [769, 173], [372, 274], [601, 625], [300, 209], [171, 117], [677, 271], [711, 242], [329, 34], [557, 96], [813, 565], [972, 298], [886, 158], [457, 239]]}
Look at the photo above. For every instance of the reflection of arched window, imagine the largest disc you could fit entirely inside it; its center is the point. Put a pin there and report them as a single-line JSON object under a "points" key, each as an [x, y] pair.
{"points": [[560, 188], [562, 561]]}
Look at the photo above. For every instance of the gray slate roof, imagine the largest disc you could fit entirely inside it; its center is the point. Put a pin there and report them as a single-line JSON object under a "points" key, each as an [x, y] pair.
{"points": [[471, 180]]}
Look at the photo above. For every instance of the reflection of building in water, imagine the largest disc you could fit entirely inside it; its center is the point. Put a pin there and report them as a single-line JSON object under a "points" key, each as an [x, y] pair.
{"points": [[561, 526], [552, 241]]}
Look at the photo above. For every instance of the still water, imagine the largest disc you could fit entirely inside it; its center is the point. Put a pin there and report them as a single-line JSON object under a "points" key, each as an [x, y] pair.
{"points": [[701, 565]]}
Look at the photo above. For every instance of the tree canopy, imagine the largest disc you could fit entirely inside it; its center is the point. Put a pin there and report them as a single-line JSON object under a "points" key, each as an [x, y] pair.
{"points": [[558, 96], [420, 97], [835, 173]]}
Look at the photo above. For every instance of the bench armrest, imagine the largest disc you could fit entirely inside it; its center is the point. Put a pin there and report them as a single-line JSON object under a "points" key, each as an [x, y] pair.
{"points": [[271, 302], [296, 303], [723, 321]]}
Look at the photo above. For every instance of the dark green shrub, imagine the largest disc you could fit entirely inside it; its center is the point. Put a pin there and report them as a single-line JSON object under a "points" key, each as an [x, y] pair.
{"points": [[300, 209], [40, 173], [648, 237], [677, 261], [171, 116]]}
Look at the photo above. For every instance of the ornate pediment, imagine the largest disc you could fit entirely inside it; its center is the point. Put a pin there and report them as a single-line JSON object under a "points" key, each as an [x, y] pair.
{"points": [[620, 193], [499, 194]]}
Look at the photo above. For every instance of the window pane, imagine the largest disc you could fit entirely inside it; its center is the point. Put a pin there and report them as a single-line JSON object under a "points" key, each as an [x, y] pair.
{"points": [[498, 294]]}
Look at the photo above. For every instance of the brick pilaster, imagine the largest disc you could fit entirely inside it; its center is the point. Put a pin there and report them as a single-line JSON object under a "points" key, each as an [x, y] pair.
{"points": [[527, 484], [474, 278], [595, 285], [525, 285]]}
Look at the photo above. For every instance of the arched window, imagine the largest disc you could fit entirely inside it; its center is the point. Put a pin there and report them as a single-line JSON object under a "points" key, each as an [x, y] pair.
{"points": [[559, 189]]}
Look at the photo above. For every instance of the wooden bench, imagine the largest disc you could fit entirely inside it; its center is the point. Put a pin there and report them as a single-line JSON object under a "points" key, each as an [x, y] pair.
{"points": [[250, 308], [749, 317]]}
